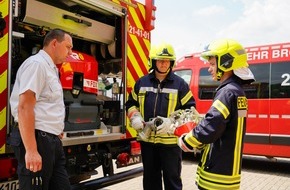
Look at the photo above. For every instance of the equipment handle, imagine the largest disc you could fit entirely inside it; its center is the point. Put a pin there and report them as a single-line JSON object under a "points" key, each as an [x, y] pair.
{"points": [[78, 20]]}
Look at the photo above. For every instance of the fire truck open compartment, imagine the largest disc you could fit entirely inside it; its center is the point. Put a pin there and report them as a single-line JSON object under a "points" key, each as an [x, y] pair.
{"points": [[94, 30]]}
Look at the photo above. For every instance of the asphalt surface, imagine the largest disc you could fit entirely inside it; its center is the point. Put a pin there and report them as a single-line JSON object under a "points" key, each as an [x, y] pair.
{"points": [[258, 173]]}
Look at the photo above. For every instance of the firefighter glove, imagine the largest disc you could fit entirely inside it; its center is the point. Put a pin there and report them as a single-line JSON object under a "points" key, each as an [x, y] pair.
{"points": [[137, 121], [166, 126], [183, 145]]}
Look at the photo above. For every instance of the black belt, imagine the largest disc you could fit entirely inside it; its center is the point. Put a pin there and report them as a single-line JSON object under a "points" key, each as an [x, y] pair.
{"points": [[42, 133]]}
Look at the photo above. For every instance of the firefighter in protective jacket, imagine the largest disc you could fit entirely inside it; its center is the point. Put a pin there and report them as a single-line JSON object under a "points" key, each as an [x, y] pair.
{"points": [[158, 94], [220, 134]]}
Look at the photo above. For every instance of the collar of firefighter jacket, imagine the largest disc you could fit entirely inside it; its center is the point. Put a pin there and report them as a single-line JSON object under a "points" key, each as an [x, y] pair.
{"points": [[233, 78], [168, 77]]}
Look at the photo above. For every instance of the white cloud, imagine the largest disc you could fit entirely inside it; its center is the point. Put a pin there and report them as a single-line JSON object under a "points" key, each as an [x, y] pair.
{"points": [[262, 22], [210, 11], [190, 25]]}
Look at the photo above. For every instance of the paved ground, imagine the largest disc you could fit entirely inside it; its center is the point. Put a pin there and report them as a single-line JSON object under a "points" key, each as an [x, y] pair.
{"points": [[258, 173]]}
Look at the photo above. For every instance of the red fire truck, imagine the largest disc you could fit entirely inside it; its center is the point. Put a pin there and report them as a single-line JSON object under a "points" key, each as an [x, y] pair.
{"points": [[111, 41], [268, 123]]}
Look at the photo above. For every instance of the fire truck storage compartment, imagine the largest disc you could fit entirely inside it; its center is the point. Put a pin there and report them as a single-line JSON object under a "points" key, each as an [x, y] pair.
{"points": [[82, 113], [70, 16], [112, 112], [93, 30]]}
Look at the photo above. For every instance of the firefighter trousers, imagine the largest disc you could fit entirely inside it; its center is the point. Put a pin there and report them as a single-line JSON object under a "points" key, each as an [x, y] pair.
{"points": [[161, 161]]}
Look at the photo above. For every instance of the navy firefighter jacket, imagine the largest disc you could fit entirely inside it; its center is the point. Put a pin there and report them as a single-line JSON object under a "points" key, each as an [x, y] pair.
{"points": [[154, 98], [221, 135]]}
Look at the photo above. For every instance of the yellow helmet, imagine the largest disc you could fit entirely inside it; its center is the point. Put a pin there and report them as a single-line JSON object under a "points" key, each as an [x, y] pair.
{"points": [[159, 52], [230, 55]]}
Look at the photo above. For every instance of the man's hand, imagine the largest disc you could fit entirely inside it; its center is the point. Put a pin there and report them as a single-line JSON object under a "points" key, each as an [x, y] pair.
{"points": [[166, 127], [137, 122], [183, 145], [33, 161]]}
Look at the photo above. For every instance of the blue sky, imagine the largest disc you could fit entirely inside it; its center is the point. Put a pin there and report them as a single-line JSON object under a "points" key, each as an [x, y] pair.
{"points": [[189, 25]]}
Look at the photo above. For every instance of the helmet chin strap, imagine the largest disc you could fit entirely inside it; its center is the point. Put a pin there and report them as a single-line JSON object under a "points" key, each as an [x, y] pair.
{"points": [[219, 72], [163, 72]]}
